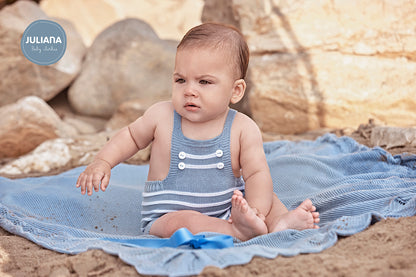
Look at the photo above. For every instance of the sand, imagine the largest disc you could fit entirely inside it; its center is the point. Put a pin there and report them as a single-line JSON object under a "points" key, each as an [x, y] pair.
{"points": [[387, 248]]}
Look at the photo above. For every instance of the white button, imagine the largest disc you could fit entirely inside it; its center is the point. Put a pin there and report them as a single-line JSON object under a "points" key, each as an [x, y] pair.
{"points": [[182, 155], [218, 153], [220, 165], [181, 166]]}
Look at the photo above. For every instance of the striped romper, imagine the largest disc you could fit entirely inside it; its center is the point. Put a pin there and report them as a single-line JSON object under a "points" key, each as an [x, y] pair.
{"points": [[200, 177]]}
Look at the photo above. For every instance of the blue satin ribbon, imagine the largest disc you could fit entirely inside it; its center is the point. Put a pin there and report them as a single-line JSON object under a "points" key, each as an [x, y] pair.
{"points": [[179, 238]]}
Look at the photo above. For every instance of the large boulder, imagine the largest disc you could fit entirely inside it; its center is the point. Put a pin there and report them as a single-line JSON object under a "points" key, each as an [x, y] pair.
{"points": [[170, 19], [19, 76], [319, 64], [126, 61], [295, 93], [26, 124]]}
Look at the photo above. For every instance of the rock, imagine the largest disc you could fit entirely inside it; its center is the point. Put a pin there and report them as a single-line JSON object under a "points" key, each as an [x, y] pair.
{"points": [[83, 124], [390, 137], [289, 95], [126, 113], [19, 76], [126, 61], [71, 62], [326, 64], [60, 154], [170, 19], [362, 27], [51, 154], [26, 124], [220, 11]]}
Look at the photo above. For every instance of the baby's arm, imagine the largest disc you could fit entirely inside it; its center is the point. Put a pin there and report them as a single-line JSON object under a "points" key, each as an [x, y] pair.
{"points": [[255, 170], [122, 145], [259, 186]]}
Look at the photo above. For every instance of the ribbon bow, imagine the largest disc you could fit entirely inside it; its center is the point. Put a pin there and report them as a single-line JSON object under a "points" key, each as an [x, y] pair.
{"points": [[181, 237]]}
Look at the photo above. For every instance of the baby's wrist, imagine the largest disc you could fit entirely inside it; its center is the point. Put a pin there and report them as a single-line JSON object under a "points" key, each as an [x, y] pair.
{"points": [[101, 159]]}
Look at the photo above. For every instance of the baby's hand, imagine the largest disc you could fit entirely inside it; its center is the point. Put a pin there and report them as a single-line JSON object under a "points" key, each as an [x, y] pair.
{"points": [[99, 171]]}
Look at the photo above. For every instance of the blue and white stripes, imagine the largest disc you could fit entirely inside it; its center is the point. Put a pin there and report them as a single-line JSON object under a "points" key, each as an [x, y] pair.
{"points": [[200, 177], [213, 204]]}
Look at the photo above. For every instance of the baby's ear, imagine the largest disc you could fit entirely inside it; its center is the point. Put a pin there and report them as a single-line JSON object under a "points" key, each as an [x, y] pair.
{"points": [[238, 91]]}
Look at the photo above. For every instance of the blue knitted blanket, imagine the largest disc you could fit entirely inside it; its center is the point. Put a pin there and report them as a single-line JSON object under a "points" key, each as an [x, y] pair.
{"points": [[351, 185]]}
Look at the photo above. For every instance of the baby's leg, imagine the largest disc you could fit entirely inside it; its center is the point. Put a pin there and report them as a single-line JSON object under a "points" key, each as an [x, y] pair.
{"points": [[245, 224], [303, 217]]}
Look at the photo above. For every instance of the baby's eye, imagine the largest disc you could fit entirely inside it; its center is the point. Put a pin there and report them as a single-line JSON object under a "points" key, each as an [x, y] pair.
{"points": [[180, 80], [204, 82]]}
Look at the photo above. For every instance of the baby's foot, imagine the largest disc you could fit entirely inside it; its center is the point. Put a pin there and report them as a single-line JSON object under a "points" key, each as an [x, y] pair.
{"points": [[247, 224], [303, 217]]}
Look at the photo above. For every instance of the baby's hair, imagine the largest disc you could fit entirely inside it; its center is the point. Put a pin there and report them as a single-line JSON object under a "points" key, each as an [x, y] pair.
{"points": [[219, 36]]}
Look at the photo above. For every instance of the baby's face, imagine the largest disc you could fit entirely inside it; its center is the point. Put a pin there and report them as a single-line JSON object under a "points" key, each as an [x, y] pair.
{"points": [[203, 83]]}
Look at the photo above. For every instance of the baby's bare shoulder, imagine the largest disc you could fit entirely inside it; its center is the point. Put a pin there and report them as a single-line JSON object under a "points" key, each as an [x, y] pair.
{"points": [[245, 124], [160, 108], [248, 131], [153, 117], [159, 112]]}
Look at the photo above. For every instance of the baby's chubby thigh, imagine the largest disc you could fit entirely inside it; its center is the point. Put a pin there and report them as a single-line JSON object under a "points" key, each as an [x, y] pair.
{"points": [[169, 223]]}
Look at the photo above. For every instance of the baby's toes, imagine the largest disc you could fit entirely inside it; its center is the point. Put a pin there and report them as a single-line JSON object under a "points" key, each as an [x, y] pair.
{"points": [[238, 193], [234, 200]]}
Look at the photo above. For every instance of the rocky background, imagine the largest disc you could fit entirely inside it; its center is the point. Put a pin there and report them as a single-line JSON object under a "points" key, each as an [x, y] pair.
{"points": [[341, 66], [316, 66]]}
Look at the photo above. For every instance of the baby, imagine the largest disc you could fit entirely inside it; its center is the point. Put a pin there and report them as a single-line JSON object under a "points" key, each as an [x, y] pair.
{"points": [[207, 170]]}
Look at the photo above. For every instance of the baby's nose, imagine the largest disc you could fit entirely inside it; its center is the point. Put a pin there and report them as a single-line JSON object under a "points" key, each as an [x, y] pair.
{"points": [[190, 91]]}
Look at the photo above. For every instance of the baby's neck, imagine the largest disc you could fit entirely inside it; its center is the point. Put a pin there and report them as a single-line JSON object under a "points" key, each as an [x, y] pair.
{"points": [[203, 130]]}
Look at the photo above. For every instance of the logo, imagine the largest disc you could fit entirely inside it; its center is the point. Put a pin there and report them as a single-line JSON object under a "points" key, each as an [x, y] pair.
{"points": [[43, 42]]}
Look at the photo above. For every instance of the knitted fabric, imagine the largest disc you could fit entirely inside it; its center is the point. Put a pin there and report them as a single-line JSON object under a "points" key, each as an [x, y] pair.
{"points": [[351, 185], [200, 177]]}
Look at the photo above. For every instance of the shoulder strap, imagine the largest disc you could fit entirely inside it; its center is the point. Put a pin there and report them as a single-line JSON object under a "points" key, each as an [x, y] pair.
{"points": [[229, 120], [177, 123]]}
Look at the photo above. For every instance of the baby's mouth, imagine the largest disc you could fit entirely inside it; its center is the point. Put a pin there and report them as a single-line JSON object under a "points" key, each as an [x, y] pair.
{"points": [[191, 106]]}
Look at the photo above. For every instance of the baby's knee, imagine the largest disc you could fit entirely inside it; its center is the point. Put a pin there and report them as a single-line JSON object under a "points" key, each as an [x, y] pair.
{"points": [[169, 223], [180, 219]]}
